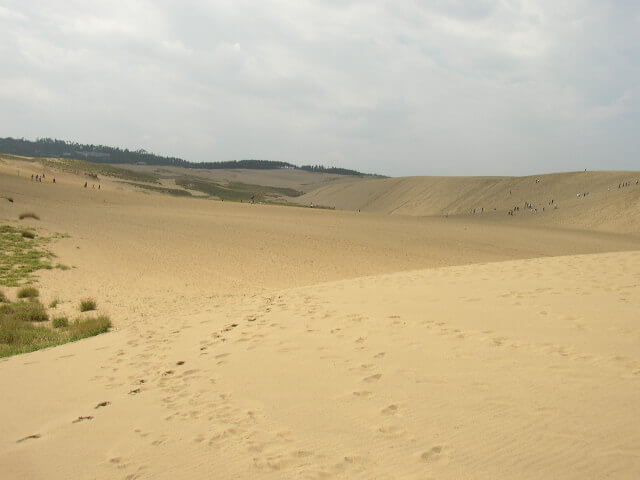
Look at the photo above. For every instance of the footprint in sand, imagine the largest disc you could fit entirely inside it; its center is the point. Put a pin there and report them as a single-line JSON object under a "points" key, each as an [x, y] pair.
{"points": [[135, 391], [82, 418], [372, 378], [102, 404], [363, 393], [436, 454], [390, 410], [29, 437]]}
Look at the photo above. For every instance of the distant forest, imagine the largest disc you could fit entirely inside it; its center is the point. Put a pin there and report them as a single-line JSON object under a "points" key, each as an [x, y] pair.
{"points": [[49, 147]]}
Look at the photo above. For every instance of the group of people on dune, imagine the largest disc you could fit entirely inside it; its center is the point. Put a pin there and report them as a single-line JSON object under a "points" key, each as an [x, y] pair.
{"points": [[39, 178]]}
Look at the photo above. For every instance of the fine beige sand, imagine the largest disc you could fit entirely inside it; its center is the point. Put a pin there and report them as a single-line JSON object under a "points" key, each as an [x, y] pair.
{"points": [[256, 341], [606, 207]]}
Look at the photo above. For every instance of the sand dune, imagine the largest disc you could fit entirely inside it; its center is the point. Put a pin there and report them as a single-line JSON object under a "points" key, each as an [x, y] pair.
{"points": [[257, 341], [606, 207]]}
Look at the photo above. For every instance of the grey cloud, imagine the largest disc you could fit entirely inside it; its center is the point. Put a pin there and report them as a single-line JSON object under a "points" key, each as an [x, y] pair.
{"points": [[442, 87]]}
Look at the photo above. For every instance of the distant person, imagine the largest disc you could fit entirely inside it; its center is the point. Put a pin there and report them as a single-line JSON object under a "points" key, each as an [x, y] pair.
{"points": [[85, 184], [54, 179]]}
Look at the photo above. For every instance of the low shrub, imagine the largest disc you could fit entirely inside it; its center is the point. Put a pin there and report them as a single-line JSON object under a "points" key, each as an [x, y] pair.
{"points": [[88, 327], [28, 234], [54, 303], [88, 304], [60, 322], [28, 292], [17, 336], [29, 311]]}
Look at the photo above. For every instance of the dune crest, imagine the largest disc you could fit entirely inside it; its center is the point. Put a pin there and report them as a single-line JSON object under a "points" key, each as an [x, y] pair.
{"points": [[606, 207]]}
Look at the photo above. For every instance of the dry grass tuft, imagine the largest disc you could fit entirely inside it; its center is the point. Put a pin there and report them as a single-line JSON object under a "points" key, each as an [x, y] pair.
{"points": [[19, 333], [28, 292], [88, 304], [60, 322]]}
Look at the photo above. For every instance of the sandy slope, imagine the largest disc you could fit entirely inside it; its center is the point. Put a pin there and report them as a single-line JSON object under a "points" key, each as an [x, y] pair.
{"points": [[606, 207], [324, 344]]}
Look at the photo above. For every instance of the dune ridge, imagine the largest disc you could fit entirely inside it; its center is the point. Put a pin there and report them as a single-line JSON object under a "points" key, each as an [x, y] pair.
{"points": [[606, 206]]}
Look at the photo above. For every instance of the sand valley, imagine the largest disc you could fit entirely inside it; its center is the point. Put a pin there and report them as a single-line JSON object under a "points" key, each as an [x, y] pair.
{"points": [[397, 336]]}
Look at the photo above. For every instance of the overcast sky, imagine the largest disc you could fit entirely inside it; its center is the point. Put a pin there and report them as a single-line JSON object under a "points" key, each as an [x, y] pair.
{"points": [[395, 87]]}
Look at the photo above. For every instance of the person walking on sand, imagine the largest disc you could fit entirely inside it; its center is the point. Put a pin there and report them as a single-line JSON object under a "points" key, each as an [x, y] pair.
{"points": [[85, 184]]}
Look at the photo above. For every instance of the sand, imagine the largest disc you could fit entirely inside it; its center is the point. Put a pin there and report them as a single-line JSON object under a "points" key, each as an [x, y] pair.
{"points": [[606, 207], [256, 341]]}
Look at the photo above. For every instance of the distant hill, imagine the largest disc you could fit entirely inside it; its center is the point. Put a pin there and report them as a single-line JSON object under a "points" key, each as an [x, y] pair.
{"points": [[49, 147]]}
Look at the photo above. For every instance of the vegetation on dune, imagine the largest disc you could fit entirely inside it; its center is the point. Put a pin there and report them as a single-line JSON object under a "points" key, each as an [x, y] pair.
{"points": [[237, 191], [60, 322], [20, 333], [21, 256], [23, 323], [333, 170], [28, 311], [87, 304], [95, 170], [88, 327], [28, 292], [169, 191]]}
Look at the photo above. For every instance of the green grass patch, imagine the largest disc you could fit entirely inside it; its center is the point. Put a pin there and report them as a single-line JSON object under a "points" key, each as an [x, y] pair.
{"points": [[176, 192], [89, 327], [237, 191], [94, 170], [3, 297], [28, 311], [54, 303], [28, 234], [21, 256], [24, 215], [88, 304], [18, 335], [60, 322], [28, 292], [60, 266]]}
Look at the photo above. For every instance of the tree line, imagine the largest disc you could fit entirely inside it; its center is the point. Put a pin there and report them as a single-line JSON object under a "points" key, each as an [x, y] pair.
{"points": [[49, 147]]}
